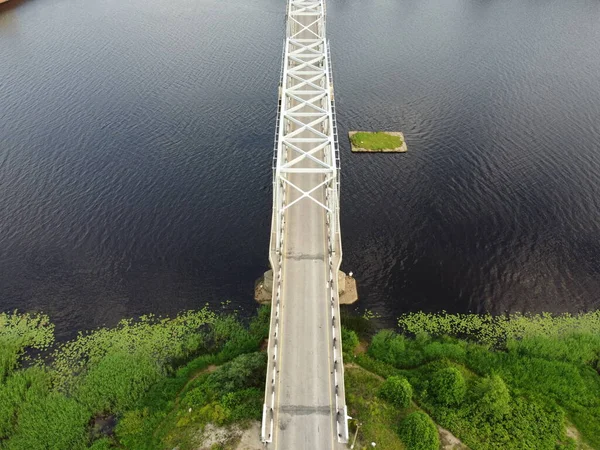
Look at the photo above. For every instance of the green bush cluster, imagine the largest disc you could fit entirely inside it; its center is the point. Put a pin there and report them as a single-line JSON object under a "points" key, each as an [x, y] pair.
{"points": [[448, 387], [499, 382], [349, 342], [491, 399], [418, 432], [378, 418], [397, 390], [139, 372]]}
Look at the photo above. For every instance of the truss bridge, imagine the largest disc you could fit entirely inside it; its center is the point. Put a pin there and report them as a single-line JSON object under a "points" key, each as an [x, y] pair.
{"points": [[305, 405]]}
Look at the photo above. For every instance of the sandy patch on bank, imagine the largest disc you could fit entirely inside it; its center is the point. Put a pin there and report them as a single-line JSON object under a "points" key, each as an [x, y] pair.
{"points": [[449, 441], [232, 437], [250, 439]]}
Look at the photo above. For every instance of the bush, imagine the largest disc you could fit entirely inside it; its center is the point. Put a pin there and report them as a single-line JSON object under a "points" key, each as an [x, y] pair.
{"points": [[16, 391], [245, 404], [244, 372], [397, 390], [134, 429], [54, 423], [349, 341], [117, 382], [389, 347], [101, 444], [418, 432], [360, 324], [259, 326], [448, 387], [492, 398]]}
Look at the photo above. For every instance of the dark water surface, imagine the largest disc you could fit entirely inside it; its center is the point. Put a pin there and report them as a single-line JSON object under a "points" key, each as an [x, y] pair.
{"points": [[136, 139]]}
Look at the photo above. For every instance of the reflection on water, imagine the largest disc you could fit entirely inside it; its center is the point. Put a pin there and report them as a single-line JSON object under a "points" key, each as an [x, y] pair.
{"points": [[136, 140]]}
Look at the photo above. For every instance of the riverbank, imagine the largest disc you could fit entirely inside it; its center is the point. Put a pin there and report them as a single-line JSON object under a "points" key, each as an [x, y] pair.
{"points": [[152, 383], [196, 381], [492, 382]]}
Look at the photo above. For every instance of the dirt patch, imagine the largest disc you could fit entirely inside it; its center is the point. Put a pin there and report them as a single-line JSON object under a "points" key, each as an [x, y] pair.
{"points": [[264, 345], [361, 348], [574, 434], [223, 436], [449, 441], [232, 437], [250, 439]]}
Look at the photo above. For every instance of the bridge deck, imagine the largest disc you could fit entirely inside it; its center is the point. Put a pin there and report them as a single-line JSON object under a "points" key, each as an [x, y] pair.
{"points": [[304, 363]]}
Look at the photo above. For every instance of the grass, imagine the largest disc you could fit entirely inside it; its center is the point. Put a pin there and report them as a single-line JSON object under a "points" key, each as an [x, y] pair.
{"points": [[375, 141], [522, 378], [378, 418]]}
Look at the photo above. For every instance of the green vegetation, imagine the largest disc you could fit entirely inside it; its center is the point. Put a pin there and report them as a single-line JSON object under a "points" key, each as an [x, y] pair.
{"points": [[448, 387], [349, 340], [161, 380], [397, 390], [375, 141], [379, 419], [419, 432], [494, 382]]}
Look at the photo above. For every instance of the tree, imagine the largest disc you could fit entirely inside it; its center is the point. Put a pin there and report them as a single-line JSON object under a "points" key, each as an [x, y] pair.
{"points": [[418, 432], [397, 390], [448, 387], [493, 398]]}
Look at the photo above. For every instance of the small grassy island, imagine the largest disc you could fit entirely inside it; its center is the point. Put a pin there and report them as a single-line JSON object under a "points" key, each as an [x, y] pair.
{"points": [[380, 141], [196, 382]]}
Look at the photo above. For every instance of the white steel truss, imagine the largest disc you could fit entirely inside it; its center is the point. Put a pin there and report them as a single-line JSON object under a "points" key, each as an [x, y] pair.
{"points": [[306, 126]]}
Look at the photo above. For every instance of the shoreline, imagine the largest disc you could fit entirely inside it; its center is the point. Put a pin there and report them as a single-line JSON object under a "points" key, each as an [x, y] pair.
{"points": [[199, 377]]}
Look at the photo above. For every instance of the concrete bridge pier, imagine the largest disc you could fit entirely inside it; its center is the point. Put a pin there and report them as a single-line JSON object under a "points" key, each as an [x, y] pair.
{"points": [[347, 291]]}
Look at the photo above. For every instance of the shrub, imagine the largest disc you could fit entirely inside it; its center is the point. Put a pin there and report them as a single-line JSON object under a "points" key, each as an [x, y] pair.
{"points": [[349, 341], [259, 326], [101, 444], [492, 398], [360, 324], [245, 404], [419, 432], [134, 429], [397, 390], [14, 393], [455, 351], [117, 382], [379, 346], [448, 387], [389, 347], [54, 422], [245, 371]]}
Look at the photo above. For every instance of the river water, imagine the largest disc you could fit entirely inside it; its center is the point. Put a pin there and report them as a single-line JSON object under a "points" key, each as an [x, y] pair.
{"points": [[136, 142]]}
